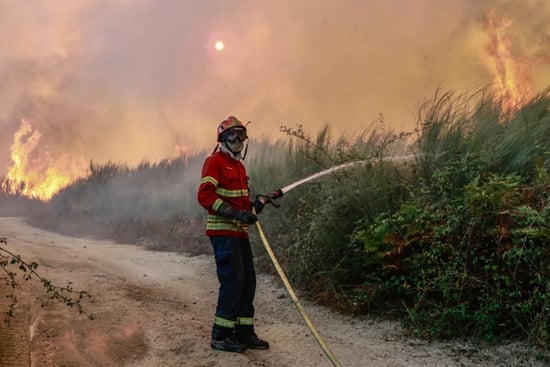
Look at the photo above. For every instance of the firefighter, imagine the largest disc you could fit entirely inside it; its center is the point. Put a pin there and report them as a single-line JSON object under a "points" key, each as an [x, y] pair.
{"points": [[224, 193]]}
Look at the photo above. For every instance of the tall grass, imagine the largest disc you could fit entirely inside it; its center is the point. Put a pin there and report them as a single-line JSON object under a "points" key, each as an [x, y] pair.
{"points": [[450, 232], [467, 253]]}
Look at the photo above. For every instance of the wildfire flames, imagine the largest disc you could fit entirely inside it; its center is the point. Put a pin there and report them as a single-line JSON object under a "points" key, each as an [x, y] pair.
{"points": [[35, 175], [513, 85]]}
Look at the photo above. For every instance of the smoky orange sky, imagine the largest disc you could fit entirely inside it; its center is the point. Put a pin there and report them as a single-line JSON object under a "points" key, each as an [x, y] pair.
{"points": [[128, 80]]}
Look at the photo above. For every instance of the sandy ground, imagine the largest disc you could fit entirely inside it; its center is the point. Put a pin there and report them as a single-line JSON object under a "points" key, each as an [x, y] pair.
{"points": [[156, 309]]}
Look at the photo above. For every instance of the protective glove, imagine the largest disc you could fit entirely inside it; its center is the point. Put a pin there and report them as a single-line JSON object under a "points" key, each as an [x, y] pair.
{"points": [[258, 205], [244, 216], [262, 200]]}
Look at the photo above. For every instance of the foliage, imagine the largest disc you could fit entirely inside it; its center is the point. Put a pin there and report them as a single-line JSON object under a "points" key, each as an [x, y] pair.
{"points": [[453, 239], [10, 263], [445, 226], [319, 216], [473, 266], [467, 253]]}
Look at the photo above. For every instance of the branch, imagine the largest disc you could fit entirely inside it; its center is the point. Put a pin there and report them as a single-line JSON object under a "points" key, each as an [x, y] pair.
{"points": [[61, 294]]}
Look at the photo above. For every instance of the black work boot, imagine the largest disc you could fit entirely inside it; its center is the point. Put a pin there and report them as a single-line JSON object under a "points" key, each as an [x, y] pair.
{"points": [[248, 337], [224, 339], [229, 344]]}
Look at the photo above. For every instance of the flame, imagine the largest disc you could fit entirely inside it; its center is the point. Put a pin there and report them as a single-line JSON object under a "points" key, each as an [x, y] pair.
{"points": [[513, 84], [39, 177]]}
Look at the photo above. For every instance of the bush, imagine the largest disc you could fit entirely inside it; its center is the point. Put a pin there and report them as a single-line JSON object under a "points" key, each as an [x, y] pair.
{"points": [[466, 253]]}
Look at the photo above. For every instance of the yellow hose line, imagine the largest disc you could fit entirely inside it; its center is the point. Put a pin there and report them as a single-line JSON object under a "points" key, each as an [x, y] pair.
{"points": [[288, 287]]}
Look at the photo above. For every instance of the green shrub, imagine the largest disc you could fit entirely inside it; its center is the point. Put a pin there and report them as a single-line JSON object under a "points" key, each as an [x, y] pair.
{"points": [[466, 252], [476, 266]]}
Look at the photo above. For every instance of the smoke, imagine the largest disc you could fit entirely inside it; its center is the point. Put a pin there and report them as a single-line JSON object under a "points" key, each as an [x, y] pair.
{"points": [[124, 81]]}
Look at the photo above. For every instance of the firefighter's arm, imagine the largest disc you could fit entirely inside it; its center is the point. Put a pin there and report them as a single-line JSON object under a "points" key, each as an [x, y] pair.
{"points": [[207, 196], [210, 201], [244, 216]]}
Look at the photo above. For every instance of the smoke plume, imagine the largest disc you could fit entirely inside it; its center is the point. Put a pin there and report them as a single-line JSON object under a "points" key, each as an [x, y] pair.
{"points": [[124, 81]]}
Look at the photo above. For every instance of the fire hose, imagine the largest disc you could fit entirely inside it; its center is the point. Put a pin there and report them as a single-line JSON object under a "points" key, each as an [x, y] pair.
{"points": [[269, 199]]}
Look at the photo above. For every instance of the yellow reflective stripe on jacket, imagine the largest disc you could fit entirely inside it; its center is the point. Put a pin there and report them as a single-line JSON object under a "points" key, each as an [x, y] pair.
{"points": [[210, 179], [231, 193], [216, 222], [217, 204], [220, 321]]}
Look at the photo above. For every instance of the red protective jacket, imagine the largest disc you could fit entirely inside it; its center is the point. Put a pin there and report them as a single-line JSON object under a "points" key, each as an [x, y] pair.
{"points": [[224, 179]]}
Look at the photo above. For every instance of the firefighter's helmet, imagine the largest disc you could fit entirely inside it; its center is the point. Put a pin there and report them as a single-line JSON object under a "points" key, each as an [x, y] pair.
{"points": [[228, 124]]}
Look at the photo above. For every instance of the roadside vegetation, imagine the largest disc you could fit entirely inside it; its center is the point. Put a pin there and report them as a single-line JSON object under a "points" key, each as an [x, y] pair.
{"points": [[445, 227]]}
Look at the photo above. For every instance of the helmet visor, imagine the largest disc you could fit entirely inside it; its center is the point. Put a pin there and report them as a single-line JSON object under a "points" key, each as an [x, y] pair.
{"points": [[234, 135]]}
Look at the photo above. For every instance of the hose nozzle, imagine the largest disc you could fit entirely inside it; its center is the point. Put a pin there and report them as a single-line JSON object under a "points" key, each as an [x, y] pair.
{"points": [[276, 194], [269, 199]]}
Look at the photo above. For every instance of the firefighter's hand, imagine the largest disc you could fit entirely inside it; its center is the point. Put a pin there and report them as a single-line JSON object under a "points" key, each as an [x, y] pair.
{"points": [[245, 216], [258, 205]]}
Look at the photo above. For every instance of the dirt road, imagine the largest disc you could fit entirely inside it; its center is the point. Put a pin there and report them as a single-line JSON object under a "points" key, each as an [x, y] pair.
{"points": [[156, 309]]}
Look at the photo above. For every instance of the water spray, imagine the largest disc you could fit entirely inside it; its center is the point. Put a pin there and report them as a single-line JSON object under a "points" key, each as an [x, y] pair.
{"points": [[266, 199]]}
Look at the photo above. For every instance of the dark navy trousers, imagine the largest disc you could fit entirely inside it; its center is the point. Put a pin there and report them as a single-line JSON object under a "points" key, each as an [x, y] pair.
{"points": [[237, 277]]}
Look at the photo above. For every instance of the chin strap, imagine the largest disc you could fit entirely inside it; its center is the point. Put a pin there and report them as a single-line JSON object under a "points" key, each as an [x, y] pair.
{"points": [[245, 151]]}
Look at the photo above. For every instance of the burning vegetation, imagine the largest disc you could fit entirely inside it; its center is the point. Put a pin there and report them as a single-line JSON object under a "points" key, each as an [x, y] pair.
{"points": [[513, 85], [34, 173]]}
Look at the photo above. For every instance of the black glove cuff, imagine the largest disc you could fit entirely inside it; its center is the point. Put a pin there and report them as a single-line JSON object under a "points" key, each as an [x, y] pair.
{"points": [[226, 210], [257, 205]]}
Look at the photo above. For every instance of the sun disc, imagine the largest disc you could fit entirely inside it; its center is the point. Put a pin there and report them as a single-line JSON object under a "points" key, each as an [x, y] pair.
{"points": [[219, 45]]}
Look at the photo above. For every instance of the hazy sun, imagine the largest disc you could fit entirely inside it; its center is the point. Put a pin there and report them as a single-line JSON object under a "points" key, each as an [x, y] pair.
{"points": [[219, 45]]}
